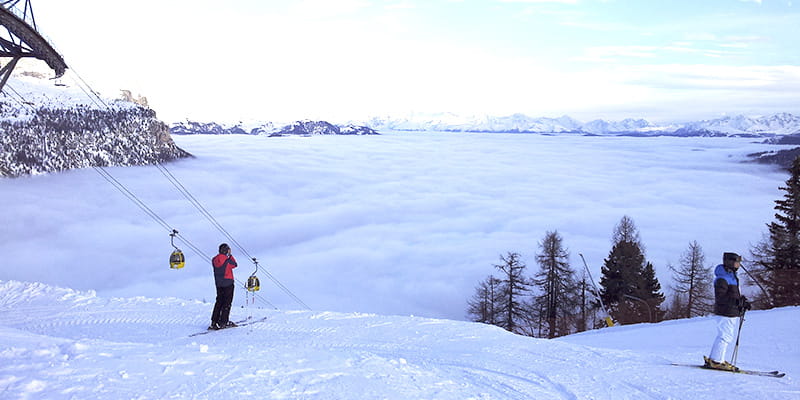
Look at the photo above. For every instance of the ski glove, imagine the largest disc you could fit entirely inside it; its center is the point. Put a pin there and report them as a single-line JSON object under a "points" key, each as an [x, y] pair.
{"points": [[744, 305]]}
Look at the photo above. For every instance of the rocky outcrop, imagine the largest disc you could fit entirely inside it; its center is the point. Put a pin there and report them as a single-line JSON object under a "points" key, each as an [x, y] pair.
{"points": [[50, 139]]}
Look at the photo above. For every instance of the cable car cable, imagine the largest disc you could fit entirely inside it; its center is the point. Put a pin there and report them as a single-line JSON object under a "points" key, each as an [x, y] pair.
{"points": [[107, 175], [147, 210], [91, 94], [192, 199]]}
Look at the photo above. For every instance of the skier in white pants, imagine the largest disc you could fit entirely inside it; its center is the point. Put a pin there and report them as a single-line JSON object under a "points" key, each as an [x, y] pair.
{"points": [[728, 305]]}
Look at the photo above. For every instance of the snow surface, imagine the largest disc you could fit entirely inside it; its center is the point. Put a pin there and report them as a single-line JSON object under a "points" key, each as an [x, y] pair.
{"points": [[41, 91], [397, 224], [60, 343]]}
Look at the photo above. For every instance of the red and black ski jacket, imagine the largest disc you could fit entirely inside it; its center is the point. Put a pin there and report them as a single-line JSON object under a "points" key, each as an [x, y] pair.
{"points": [[223, 269]]}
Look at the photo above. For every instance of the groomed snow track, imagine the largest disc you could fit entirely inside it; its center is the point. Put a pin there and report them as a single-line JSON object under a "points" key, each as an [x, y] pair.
{"points": [[66, 344]]}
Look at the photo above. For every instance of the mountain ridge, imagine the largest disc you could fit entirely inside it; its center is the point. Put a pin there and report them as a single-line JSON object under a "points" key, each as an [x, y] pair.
{"points": [[779, 124], [297, 128]]}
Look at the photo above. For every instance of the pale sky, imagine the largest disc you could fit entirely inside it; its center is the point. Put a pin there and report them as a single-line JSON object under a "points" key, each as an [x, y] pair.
{"points": [[345, 60]]}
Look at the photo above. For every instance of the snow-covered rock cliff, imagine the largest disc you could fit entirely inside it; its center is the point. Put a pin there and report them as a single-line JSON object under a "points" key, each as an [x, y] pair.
{"points": [[46, 128]]}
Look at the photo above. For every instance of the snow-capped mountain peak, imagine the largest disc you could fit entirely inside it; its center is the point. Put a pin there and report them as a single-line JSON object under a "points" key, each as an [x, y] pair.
{"points": [[777, 124]]}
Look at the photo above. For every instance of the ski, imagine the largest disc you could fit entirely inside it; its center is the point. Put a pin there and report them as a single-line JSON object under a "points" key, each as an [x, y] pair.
{"points": [[771, 374], [239, 324]]}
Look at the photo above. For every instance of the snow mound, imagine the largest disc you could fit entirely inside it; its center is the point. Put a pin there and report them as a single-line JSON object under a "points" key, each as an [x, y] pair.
{"points": [[63, 344]]}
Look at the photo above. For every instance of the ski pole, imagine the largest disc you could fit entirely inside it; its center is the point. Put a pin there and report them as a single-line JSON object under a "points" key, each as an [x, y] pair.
{"points": [[738, 334], [766, 294], [607, 319]]}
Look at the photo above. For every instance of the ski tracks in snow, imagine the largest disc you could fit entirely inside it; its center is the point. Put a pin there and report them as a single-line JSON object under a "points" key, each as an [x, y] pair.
{"points": [[70, 345]]}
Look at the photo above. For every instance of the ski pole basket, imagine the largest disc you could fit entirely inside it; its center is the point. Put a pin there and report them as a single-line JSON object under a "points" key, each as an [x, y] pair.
{"points": [[176, 259]]}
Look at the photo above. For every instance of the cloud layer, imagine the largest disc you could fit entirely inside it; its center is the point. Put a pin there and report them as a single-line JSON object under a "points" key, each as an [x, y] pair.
{"points": [[395, 224]]}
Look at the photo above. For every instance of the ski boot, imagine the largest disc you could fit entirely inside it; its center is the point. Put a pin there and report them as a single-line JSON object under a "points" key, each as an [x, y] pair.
{"points": [[724, 365]]}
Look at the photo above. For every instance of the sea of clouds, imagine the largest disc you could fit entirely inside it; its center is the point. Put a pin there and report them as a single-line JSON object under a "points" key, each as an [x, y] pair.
{"points": [[402, 223]]}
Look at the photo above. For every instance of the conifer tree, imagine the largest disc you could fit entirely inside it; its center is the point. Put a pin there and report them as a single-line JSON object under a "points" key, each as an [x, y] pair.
{"points": [[556, 282], [513, 286], [651, 292], [619, 281], [484, 303], [629, 286], [626, 231], [779, 258], [761, 254], [693, 282]]}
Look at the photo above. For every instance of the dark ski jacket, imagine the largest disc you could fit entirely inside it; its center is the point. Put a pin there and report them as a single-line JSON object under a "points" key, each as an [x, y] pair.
{"points": [[223, 269], [726, 292]]}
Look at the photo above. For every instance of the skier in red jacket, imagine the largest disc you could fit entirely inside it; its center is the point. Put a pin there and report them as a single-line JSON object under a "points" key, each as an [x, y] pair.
{"points": [[223, 264]]}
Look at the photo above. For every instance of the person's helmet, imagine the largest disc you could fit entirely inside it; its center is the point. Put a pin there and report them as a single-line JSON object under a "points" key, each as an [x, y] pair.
{"points": [[223, 248], [729, 260]]}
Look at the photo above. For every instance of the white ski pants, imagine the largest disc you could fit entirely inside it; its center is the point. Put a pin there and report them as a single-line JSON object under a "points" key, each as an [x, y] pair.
{"points": [[726, 331]]}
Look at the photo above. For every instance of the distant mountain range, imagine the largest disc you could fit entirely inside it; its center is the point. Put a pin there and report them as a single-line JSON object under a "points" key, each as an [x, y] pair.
{"points": [[48, 128], [776, 125], [781, 128], [298, 128], [764, 126]]}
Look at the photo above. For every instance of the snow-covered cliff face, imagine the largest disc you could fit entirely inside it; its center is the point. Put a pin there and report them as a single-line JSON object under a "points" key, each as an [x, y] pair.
{"points": [[46, 129], [57, 139]]}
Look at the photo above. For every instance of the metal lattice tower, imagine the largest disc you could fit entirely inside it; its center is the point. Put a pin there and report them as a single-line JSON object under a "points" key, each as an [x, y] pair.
{"points": [[21, 39]]}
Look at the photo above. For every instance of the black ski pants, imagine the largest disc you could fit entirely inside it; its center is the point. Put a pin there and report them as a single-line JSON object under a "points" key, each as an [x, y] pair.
{"points": [[222, 307]]}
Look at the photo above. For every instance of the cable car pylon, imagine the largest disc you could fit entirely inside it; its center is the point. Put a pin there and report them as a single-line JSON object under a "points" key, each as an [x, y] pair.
{"points": [[22, 40]]}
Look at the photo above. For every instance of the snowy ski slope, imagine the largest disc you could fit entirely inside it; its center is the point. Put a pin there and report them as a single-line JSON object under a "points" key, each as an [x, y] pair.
{"points": [[60, 343]]}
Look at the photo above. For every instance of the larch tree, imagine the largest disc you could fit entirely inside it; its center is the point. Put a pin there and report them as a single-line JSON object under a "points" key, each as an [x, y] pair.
{"points": [[484, 303], [626, 231], [514, 286], [693, 282], [558, 299]]}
